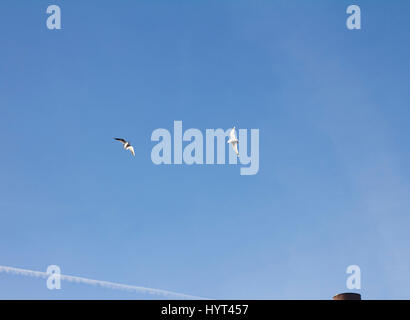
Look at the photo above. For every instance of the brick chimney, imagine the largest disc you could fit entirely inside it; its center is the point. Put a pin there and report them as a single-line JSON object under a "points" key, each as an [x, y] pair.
{"points": [[347, 296]]}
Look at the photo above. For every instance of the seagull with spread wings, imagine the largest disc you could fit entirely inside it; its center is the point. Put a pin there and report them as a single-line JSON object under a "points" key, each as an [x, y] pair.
{"points": [[234, 141], [127, 145]]}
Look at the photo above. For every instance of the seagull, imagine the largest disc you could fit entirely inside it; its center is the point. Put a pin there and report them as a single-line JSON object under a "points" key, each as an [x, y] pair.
{"points": [[234, 141], [127, 145]]}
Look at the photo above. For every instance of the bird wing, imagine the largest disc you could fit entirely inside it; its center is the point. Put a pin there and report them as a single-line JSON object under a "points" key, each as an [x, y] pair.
{"points": [[122, 140], [235, 148], [232, 135], [132, 150]]}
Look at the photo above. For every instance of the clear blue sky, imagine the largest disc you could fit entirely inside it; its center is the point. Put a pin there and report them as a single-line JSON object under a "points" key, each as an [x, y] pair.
{"points": [[332, 106]]}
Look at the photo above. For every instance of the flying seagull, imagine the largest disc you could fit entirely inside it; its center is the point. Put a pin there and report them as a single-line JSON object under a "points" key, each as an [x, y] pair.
{"points": [[127, 145], [234, 141]]}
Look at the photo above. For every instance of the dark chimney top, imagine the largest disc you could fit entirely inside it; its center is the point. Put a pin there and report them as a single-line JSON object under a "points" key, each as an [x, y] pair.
{"points": [[347, 296]]}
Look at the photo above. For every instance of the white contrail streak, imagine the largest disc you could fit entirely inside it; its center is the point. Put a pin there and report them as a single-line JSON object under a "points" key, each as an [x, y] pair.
{"points": [[105, 284]]}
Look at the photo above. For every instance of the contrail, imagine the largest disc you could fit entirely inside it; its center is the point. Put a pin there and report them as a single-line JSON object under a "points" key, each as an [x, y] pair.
{"points": [[105, 284]]}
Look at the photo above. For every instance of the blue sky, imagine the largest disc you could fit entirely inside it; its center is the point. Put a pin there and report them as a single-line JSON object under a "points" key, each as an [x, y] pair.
{"points": [[332, 107]]}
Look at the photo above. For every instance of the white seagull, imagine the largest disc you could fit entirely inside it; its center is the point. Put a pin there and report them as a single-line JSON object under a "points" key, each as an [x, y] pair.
{"points": [[127, 145], [234, 141]]}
